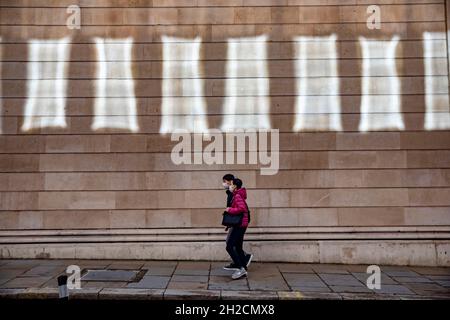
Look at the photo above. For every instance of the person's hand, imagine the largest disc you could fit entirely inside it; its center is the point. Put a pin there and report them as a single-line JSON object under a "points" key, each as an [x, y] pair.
{"points": [[227, 209]]}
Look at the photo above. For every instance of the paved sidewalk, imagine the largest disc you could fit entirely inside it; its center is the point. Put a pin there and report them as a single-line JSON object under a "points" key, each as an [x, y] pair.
{"points": [[133, 279]]}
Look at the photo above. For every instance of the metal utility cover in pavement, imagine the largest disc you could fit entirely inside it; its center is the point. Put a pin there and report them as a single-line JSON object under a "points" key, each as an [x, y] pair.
{"points": [[110, 275]]}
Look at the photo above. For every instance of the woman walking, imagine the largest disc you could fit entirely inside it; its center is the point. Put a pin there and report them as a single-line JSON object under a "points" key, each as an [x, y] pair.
{"points": [[236, 236]]}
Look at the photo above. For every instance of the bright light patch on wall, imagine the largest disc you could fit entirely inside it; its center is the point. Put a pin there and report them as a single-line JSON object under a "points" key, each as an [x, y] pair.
{"points": [[246, 103], [380, 102], [437, 113], [318, 104], [47, 84], [115, 101], [183, 105]]}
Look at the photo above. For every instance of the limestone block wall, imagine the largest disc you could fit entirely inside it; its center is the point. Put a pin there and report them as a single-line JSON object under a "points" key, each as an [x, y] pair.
{"points": [[363, 119]]}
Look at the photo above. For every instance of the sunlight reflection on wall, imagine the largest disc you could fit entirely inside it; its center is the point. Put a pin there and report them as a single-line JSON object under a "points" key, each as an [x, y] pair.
{"points": [[437, 114], [47, 84], [246, 103], [183, 105], [115, 102], [318, 103], [380, 101]]}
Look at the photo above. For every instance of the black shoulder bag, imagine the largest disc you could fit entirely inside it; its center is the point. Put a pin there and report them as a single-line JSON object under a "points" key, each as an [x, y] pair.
{"points": [[233, 220]]}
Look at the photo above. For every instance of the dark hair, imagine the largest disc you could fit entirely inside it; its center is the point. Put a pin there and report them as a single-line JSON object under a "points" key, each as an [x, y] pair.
{"points": [[237, 182], [228, 177]]}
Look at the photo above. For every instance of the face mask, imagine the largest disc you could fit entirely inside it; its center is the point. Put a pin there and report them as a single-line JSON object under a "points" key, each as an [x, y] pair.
{"points": [[225, 185]]}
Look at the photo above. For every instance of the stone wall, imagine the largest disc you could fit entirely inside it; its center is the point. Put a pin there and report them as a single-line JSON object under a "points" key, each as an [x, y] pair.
{"points": [[359, 181]]}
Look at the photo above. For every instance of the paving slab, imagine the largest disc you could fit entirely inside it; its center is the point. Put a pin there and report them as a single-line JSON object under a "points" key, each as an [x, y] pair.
{"points": [[330, 268], [443, 283], [26, 282], [151, 282], [159, 271], [11, 273], [195, 265], [126, 265], [227, 279], [217, 269], [295, 268], [356, 268], [400, 273], [385, 279], [341, 280], [396, 268], [21, 264], [62, 262], [392, 289], [426, 289], [185, 278], [92, 264], [226, 283], [431, 270], [412, 280], [185, 285], [302, 279], [276, 283], [159, 263], [44, 271], [306, 288], [263, 269], [438, 277], [192, 272], [52, 283]]}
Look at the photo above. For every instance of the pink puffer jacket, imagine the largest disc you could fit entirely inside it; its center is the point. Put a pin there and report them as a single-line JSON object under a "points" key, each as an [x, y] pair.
{"points": [[238, 205]]}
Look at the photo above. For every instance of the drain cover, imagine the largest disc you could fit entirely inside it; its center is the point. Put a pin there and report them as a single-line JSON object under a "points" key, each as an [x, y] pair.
{"points": [[110, 275]]}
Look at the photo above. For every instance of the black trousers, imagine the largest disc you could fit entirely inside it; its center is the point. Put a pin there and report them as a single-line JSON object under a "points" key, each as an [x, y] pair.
{"points": [[234, 246]]}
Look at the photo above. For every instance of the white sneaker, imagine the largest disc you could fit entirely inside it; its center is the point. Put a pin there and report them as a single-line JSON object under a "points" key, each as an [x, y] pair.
{"points": [[239, 273]]}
